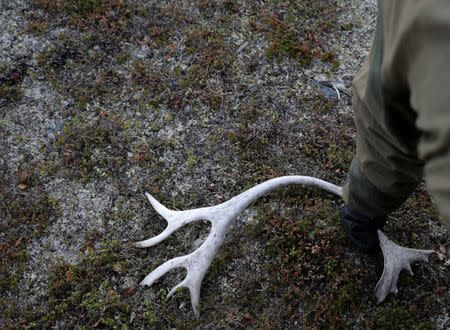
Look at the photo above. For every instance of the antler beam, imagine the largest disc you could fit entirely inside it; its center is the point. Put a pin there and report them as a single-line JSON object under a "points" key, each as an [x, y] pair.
{"points": [[221, 217]]}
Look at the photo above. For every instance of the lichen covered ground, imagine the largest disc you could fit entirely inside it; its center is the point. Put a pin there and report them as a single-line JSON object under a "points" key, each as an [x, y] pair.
{"points": [[193, 101]]}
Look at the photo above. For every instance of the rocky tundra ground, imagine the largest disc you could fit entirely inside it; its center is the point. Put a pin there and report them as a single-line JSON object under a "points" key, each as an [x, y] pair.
{"points": [[194, 102]]}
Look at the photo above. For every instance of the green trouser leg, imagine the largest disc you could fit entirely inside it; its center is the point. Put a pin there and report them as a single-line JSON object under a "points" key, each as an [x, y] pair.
{"points": [[402, 110]]}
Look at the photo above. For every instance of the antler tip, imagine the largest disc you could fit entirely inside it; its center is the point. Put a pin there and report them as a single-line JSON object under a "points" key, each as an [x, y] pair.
{"points": [[138, 244], [160, 208], [144, 282], [149, 197], [175, 288]]}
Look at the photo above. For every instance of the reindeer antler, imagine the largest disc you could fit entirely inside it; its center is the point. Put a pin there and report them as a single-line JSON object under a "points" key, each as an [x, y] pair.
{"points": [[396, 258], [221, 217]]}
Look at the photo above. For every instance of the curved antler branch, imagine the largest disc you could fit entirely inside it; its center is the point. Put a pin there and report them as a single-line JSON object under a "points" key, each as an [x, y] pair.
{"points": [[162, 270], [175, 220]]}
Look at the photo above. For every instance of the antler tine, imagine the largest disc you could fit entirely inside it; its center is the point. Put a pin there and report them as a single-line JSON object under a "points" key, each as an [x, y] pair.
{"points": [[195, 299], [161, 209], [194, 289], [182, 284], [175, 220], [396, 258], [162, 270]]}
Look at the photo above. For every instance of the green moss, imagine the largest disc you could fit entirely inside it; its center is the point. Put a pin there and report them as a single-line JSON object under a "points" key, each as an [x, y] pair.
{"points": [[123, 57], [93, 28], [331, 58], [293, 30], [334, 151], [93, 146], [84, 292], [10, 82], [80, 9], [347, 26], [325, 106], [212, 55], [142, 154], [83, 6], [285, 42], [10, 92], [148, 79], [43, 57], [339, 155], [149, 314], [36, 26], [191, 159], [159, 36], [168, 117], [231, 6], [398, 317], [308, 253], [47, 168], [24, 217]]}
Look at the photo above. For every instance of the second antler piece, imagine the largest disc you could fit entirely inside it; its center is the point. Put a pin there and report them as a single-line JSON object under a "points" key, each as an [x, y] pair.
{"points": [[396, 258]]}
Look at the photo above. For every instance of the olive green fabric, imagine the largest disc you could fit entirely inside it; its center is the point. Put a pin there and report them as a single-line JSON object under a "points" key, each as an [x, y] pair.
{"points": [[401, 104]]}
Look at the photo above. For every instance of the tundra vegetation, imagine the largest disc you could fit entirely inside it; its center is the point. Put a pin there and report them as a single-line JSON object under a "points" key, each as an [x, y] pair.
{"points": [[193, 101]]}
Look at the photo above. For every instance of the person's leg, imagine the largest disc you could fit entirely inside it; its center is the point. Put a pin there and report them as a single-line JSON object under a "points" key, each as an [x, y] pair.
{"points": [[402, 113], [386, 168], [428, 74], [380, 178]]}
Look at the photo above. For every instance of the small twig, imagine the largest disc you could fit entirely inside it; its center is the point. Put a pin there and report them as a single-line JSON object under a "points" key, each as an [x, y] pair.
{"points": [[337, 91]]}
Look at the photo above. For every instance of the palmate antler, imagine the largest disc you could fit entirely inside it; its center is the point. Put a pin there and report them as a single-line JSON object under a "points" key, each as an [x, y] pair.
{"points": [[221, 217]]}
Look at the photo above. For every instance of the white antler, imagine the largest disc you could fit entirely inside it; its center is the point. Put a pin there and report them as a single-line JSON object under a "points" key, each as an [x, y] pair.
{"points": [[221, 217], [396, 258]]}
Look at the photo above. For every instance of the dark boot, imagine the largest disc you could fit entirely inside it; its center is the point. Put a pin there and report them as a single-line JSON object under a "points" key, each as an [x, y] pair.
{"points": [[362, 230]]}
